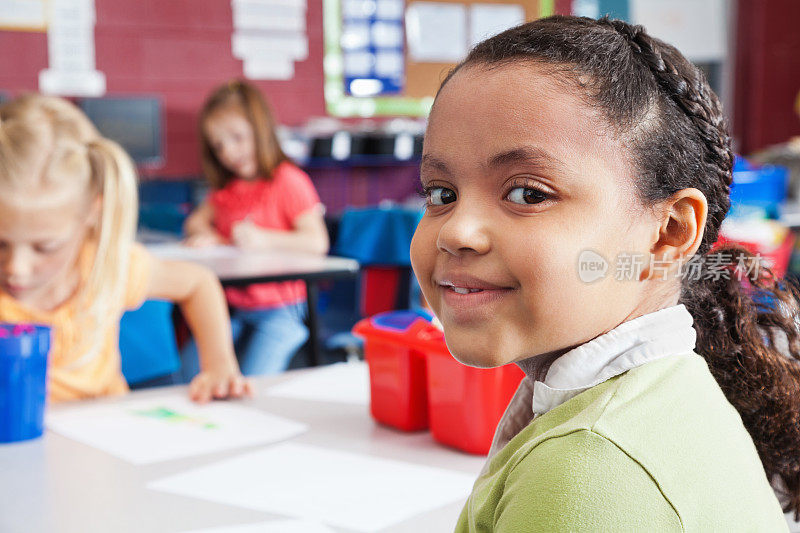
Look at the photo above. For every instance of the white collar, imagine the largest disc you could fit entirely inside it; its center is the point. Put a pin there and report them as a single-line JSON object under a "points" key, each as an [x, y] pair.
{"points": [[649, 337]]}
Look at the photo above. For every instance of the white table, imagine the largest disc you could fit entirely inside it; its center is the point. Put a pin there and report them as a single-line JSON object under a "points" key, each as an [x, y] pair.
{"points": [[235, 267], [56, 485]]}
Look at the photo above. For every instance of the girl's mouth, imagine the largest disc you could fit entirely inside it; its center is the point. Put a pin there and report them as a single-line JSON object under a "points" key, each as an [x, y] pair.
{"points": [[466, 299], [464, 290]]}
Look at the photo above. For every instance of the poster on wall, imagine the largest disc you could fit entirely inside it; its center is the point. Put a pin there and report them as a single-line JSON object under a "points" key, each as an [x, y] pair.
{"points": [[440, 32], [70, 51], [269, 36], [373, 47]]}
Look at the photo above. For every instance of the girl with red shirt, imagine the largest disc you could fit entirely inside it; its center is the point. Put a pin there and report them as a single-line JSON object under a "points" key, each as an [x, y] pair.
{"points": [[259, 200]]}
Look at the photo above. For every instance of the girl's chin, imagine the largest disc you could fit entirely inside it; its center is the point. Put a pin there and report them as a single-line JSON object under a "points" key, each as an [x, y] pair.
{"points": [[473, 355]]}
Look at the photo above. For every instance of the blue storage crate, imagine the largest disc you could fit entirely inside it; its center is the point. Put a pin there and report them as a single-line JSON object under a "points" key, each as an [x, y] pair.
{"points": [[764, 187]]}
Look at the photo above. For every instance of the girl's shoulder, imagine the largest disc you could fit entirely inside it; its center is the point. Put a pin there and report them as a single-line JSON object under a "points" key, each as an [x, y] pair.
{"points": [[287, 172]]}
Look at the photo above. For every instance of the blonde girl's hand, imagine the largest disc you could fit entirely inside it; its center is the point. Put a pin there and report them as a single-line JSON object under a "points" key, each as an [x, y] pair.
{"points": [[203, 239], [219, 384], [249, 236]]}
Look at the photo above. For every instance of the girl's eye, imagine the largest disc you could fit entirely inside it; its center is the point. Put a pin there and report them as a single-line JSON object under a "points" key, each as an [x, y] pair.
{"points": [[526, 195], [440, 195], [48, 248]]}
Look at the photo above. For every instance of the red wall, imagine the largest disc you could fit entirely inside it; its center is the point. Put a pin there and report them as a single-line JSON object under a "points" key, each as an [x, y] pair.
{"points": [[176, 49], [767, 78]]}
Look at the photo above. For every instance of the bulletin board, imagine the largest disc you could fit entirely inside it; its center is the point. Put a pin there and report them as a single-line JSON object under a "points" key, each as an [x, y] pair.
{"points": [[421, 78]]}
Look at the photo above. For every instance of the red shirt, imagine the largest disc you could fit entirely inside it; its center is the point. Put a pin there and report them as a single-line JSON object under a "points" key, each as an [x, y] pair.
{"points": [[275, 205]]}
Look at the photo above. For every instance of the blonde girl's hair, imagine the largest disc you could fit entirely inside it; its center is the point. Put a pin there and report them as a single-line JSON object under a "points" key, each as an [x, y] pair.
{"points": [[245, 97], [47, 141]]}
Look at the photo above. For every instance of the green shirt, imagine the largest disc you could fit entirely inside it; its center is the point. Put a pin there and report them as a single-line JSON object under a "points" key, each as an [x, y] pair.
{"points": [[658, 448]]}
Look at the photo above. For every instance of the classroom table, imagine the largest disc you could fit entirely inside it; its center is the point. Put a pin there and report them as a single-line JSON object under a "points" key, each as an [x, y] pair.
{"points": [[237, 268], [57, 485]]}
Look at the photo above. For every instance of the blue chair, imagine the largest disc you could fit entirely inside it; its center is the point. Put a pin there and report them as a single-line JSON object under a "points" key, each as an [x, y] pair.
{"points": [[148, 347], [375, 236]]}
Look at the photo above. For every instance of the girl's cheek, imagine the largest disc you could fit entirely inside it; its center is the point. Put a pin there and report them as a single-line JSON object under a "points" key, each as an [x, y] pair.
{"points": [[423, 251]]}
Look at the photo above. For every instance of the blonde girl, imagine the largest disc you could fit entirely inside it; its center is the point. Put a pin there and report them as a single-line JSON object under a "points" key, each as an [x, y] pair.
{"points": [[259, 200], [573, 168], [68, 207]]}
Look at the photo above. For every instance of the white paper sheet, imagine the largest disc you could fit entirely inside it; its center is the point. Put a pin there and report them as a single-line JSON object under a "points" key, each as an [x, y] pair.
{"points": [[486, 20], [276, 526], [177, 251], [338, 488], [169, 427], [436, 32], [341, 382]]}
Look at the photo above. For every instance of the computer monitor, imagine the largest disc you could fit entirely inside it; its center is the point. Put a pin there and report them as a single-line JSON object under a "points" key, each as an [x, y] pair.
{"points": [[134, 122]]}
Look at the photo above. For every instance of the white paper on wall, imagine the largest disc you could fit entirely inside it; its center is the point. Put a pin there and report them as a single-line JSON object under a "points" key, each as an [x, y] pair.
{"points": [[23, 14], [79, 83], [269, 68], [254, 45], [71, 51], [436, 32], [358, 64], [486, 20], [390, 9], [387, 34], [388, 64], [698, 28], [269, 36]]}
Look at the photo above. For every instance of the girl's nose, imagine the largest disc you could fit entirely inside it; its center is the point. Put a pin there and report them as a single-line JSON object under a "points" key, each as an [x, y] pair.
{"points": [[465, 231], [17, 262]]}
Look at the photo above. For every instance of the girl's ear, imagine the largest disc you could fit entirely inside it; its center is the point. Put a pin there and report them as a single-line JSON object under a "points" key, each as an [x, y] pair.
{"points": [[681, 230]]}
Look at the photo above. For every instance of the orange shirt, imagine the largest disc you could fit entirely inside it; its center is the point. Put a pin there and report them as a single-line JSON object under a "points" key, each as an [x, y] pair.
{"points": [[68, 376], [273, 204]]}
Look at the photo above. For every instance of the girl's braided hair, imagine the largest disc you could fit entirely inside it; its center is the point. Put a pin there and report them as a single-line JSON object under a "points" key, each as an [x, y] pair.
{"points": [[663, 109]]}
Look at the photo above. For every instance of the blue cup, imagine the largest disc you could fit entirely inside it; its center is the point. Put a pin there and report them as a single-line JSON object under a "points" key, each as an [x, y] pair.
{"points": [[23, 372]]}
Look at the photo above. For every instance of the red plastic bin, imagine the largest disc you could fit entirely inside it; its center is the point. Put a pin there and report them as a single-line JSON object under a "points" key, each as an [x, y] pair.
{"points": [[397, 377], [463, 404]]}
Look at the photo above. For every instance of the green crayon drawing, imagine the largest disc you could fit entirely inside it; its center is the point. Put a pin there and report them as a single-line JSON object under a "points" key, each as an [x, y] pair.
{"points": [[173, 417]]}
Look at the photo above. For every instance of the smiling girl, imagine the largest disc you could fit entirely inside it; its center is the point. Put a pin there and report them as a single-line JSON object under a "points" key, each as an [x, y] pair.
{"points": [[654, 400]]}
